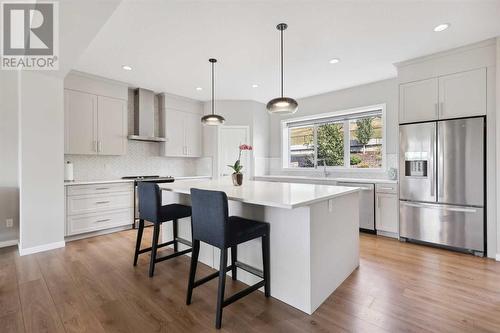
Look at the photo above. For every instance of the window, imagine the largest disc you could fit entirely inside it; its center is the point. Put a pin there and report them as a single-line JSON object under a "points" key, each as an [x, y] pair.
{"points": [[350, 139]]}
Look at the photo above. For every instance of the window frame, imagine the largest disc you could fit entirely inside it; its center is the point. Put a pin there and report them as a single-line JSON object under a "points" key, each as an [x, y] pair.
{"points": [[285, 152]]}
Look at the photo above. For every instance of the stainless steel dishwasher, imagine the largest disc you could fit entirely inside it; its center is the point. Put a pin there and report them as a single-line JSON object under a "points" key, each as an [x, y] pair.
{"points": [[366, 205]]}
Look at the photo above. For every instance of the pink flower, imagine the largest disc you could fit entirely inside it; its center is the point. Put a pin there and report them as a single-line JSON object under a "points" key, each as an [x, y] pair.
{"points": [[246, 147]]}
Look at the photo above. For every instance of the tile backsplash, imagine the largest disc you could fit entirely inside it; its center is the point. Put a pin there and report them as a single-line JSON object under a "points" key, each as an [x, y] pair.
{"points": [[143, 158]]}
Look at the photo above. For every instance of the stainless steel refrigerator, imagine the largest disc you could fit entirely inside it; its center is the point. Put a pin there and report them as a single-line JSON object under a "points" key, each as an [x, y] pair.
{"points": [[442, 184]]}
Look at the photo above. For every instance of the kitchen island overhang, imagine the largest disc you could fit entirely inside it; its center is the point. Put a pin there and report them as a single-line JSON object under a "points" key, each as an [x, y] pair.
{"points": [[314, 234]]}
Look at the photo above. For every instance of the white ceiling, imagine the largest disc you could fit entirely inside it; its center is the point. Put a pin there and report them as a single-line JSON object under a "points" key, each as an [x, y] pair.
{"points": [[168, 43]]}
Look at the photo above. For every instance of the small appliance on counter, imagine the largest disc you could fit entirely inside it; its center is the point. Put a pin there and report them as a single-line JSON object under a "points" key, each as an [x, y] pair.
{"points": [[68, 172]]}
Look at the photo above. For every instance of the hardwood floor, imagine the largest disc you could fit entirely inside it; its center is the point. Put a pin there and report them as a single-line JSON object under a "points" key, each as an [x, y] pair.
{"points": [[91, 286]]}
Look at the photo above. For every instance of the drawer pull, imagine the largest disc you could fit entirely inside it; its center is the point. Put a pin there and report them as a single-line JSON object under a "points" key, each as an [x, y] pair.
{"points": [[102, 188], [386, 188], [101, 202], [105, 220]]}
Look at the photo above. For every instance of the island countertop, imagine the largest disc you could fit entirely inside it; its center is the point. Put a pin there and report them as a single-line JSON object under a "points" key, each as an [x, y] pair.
{"points": [[273, 194]]}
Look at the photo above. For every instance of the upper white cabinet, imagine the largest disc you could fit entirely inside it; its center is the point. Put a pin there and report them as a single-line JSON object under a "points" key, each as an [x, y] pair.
{"points": [[111, 126], [418, 101], [462, 94], [449, 96], [182, 126], [95, 124], [80, 119]]}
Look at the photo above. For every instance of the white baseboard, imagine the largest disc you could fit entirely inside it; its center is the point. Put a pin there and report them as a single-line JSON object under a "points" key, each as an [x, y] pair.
{"points": [[11, 242], [41, 248], [497, 257]]}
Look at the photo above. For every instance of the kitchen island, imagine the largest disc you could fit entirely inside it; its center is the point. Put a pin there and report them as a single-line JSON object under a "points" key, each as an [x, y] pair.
{"points": [[314, 234]]}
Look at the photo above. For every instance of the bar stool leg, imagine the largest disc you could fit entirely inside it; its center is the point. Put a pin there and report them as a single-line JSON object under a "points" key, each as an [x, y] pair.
{"points": [[234, 258], [265, 261], [138, 243], [192, 270], [176, 231], [222, 286], [154, 248]]}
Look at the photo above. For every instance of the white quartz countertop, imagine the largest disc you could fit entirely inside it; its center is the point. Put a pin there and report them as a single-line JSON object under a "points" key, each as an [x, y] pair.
{"points": [[326, 179], [273, 194], [108, 181]]}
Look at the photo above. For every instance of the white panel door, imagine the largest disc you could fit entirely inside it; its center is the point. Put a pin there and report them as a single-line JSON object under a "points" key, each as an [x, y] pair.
{"points": [[462, 94], [112, 126], [80, 111], [174, 133], [386, 212], [192, 133], [418, 101], [230, 139]]}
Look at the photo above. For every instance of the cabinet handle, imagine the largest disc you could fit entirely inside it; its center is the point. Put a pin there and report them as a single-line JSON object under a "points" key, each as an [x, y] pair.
{"points": [[385, 188], [102, 188], [105, 220], [94, 143], [99, 146], [101, 202]]}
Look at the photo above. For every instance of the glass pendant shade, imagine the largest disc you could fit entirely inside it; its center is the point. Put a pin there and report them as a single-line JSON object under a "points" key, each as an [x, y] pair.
{"points": [[213, 119], [282, 105]]}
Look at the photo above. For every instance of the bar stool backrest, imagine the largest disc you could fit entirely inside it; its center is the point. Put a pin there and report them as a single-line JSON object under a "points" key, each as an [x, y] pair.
{"points": [[209, 216], [149, 201]]}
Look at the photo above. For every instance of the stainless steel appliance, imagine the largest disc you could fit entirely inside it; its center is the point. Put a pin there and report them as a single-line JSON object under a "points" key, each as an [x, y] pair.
{"points": [[442, 183], [366, 205], [137, 179]]}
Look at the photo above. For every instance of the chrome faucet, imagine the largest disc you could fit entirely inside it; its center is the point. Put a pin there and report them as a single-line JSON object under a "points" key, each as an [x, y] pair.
{"points": [[325, 172]]}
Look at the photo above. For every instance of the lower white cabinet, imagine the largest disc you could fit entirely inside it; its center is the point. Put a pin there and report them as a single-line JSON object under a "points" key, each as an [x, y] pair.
{"points": [[98, 207], [387, 209]]}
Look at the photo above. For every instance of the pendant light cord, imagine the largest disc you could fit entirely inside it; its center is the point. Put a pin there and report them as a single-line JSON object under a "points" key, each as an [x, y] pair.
{"points": [[282, 63], [213, 88]]}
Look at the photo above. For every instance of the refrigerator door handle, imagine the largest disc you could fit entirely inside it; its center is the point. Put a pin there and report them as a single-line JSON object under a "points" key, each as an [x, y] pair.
{"points": [[432, 172], [441, 207]]}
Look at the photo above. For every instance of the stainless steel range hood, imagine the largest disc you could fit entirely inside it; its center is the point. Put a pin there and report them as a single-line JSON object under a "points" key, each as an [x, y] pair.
{"points": [[144, 117]]}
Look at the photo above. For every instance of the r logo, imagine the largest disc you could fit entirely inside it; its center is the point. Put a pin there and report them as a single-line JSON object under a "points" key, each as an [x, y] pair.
{"points": [[28, 29]]}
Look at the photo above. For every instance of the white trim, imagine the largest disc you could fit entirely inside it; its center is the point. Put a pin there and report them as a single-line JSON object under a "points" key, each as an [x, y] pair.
{"points": [[284, 122], [497, 258], [6, 243], [41, 248]]}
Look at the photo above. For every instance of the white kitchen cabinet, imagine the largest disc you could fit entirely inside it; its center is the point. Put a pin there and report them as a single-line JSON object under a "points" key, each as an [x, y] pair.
{"points": [[449, 96], [418, 101], [387, 209], [462, 94], [91, 208], [80, 119], [111, 126], [94, 125], [182, 126]]}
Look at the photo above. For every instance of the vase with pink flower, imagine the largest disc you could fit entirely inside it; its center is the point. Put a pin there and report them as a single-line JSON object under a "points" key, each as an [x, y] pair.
{"points": [[237, 176]]}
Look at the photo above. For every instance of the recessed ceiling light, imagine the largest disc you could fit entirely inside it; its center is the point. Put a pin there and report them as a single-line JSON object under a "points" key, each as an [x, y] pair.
{"points": [[334, 61], [442, 27], [127, 68], [255, 85], [199, 88]]}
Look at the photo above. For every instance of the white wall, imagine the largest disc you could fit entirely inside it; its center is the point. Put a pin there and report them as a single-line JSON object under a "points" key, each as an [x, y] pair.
{"points": [[41, 147], [380, 92], [498, 144], [9, 185], [239, 113]]}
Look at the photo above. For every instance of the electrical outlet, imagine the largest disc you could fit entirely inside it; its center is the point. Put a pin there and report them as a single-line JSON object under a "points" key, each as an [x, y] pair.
{"points": [[9, 223]]}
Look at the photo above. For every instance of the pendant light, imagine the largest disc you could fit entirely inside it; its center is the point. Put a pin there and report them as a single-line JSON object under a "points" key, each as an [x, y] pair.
{"points": [[213, 119], [282, 105]]}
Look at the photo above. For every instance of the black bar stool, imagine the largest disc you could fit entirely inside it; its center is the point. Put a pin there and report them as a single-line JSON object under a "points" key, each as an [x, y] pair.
{"points": [[212, 225], [150, 209]]}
